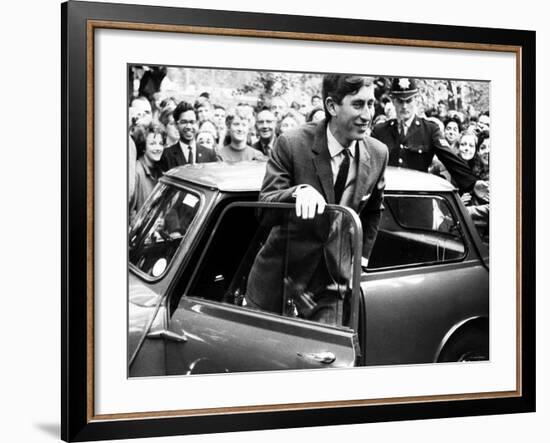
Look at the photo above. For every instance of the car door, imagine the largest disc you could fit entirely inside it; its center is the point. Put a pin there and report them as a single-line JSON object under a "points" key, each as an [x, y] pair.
{"points": [[214, 328], [425, 277]]}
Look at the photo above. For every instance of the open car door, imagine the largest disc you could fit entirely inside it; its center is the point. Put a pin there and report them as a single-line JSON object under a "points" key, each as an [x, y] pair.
{"points": [[269, 292]]}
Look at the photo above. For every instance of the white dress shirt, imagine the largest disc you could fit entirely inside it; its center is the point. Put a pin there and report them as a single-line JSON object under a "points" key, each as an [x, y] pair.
{"points": [[335, 150], [185, 149]]}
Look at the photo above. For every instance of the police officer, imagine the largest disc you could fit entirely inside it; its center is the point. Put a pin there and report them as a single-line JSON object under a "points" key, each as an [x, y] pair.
{"points": [[413, 141]]}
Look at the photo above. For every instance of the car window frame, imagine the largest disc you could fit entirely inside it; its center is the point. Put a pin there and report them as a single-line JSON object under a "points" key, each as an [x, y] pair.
{"points": [[461, 223], [356, 254], [202, 202]]}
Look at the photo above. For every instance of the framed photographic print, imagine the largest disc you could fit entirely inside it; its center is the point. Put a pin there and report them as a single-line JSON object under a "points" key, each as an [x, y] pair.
{"points": [[284, 221]]}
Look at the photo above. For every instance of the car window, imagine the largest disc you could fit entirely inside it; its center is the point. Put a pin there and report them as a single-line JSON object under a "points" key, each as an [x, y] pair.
{"points": [[268, 259], [158, 229], [417, 230]]}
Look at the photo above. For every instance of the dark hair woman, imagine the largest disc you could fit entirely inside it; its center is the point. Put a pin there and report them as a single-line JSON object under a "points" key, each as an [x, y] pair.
{"points": [[150, 142]]}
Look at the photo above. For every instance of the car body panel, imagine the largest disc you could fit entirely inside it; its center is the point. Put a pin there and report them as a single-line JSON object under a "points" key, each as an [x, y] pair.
{"points": [[222, 337], [144, 314], [248, 176], [406, 312]]}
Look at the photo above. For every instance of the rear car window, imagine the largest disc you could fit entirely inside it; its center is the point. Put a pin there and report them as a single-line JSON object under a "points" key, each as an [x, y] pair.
{"points": [[417, 230]]}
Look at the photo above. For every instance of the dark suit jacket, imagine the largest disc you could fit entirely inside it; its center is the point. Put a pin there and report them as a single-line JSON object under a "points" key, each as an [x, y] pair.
{"points": [[259, 147], [296, 250], [173, 156], [417, 149]]}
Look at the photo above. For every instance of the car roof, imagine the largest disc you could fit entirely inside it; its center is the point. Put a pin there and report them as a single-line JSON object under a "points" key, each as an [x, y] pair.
{"points": [[248, 176]]}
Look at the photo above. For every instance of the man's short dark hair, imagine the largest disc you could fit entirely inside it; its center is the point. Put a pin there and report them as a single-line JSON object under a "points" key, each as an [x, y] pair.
{"points": [[455, 119], [481, 137], [338, 86], [181, 108]]}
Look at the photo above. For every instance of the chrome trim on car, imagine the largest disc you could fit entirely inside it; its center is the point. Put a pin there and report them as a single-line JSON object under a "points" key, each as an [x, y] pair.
{"points": [[452, 331]]}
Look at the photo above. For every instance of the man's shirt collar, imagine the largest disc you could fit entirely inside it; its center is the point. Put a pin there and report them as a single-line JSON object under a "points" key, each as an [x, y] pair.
{"points": [[408, 123], [334, 146], [185, 146]]}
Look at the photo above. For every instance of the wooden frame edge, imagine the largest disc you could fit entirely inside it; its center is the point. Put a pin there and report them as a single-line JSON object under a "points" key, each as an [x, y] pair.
{"points": [[94, 24], [339, 38]]}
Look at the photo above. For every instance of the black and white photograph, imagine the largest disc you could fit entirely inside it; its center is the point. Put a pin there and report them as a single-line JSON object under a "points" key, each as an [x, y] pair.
{"points": [[284, 220], [275, 221], [280, 221]]}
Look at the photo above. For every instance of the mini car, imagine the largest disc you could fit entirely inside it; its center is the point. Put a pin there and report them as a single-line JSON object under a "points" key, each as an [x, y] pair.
{"points": [[422, 298]]}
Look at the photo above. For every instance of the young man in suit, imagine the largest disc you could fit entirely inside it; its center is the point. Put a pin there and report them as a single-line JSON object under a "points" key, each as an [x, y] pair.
{"points": [[186, 151], [332, 161]]}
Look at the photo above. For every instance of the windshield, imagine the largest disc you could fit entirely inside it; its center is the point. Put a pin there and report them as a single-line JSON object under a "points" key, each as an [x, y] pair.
{"points": [[159, 228]]}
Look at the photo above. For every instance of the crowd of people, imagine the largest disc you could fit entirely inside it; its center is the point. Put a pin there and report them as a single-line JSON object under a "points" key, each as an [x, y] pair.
{"points": [[470, 140], [452, 143]]}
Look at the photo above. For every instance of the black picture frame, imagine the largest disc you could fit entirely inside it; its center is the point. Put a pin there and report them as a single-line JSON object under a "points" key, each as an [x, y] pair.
{"points": [[79, 19]]}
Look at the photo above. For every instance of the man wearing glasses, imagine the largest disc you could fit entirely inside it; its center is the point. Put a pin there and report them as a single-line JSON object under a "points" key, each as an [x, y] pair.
{"points": [[186, 151]]}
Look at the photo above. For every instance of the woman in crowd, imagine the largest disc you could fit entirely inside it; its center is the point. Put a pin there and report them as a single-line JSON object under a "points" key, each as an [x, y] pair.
{"points": [[150, 142], [206, 139], [477, 202], [467, 143], [481, 165]]}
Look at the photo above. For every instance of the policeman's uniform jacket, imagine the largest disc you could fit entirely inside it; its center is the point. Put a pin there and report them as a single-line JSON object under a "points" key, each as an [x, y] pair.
{"points": [[416, 149]]}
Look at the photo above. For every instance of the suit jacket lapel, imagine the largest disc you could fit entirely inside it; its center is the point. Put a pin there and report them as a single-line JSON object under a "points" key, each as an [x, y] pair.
{"points": [[363, 173], [321, 160], [178, 157]]}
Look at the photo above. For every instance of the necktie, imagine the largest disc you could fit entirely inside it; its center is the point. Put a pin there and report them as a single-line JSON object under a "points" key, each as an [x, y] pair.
{"points": [[190, 158], [402, 129], [342, 177]]}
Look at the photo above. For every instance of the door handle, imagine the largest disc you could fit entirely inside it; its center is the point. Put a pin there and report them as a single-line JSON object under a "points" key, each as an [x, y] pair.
{"points": [[168, 335], [325, 357]]}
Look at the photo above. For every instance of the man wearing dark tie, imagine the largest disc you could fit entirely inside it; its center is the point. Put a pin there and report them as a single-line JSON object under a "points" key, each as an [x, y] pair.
{"points": [[332, 161], [186, 151]]}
